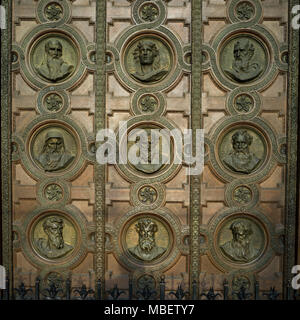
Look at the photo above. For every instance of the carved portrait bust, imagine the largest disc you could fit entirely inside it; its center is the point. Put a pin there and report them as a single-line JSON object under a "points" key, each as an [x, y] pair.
{"points": [[240, 159], [148, 60], [53, 66], [146, 248], [54, 154], [53, 245], [243, 59]]}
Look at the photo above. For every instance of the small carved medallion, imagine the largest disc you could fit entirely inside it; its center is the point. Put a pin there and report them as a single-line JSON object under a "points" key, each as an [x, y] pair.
{"points": [[146, 280], [147, 195], [244, 59], [244, 103], [14, 57], [148, 104], [54, 58], [53, 102], [242, 151], [149, 12], [53, 11], [148, 59], [53, 192], [54, 149], [242, 195], [241, 240], [54, 237], [244, 11], [147, 239]]}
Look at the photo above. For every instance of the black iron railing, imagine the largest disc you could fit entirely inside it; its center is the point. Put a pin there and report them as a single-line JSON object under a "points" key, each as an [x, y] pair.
{"points": [[67, 292]]}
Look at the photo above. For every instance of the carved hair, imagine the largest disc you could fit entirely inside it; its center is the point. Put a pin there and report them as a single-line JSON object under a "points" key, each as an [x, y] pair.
{"points": [[47, 45], [244, 134], [145, 222], [48, 223], [152, 45], [235, 226]]}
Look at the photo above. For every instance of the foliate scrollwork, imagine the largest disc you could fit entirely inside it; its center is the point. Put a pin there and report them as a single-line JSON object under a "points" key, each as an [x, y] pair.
{"points": [[147, 195], [53, 11], [242, 195], [244, 103], [149, 12], [148, 104], [245, 11], [53, 102], [53, 192]]}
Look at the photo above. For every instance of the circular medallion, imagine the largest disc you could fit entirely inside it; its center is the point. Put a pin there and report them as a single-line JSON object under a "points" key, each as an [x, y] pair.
{"points": [[244, 103], [148, 104], [53, 237], [244, 11], [54, 58], [53, 192], [241, 240], [244, 59], [53, 11], [242, 195], [147, 240], [149, 12], [53, 149], [242, 150], [148, 59], [147, 195], [53, 102]]}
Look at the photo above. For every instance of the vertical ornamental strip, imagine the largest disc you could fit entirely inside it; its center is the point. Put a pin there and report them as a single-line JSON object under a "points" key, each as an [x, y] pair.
{"points": [[195, 124]]}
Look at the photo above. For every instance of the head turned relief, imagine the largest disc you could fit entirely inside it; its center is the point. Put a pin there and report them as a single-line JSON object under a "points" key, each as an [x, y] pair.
{"points": [[53, 246], [147, 62], [240, 159], [54, 155], [53, 67], [146, 249], [240, 248], [243, 67]]}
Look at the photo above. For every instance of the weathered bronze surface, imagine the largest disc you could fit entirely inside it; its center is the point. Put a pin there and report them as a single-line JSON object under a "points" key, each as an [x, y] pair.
{"points": [[241, 240], [54, 58], [148, 59], [54, 237], [243, 59]]}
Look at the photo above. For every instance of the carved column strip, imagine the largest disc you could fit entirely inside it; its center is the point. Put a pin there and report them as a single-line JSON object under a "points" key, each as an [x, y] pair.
{"points": [[100, 124], [292, 174], [6, 217], [195, 218]]}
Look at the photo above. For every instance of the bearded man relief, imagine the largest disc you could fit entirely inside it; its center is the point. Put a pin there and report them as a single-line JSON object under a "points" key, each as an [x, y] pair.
{"points": [[54, 246], [53, 67], [146, 249], [54, 155]]}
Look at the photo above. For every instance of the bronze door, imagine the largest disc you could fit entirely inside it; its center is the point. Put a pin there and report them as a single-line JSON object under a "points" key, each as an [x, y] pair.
{"points": [[131, 67]]}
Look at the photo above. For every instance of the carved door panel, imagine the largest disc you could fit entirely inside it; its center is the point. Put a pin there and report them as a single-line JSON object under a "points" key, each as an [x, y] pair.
{"points": [[53, 107], [133, 67]]}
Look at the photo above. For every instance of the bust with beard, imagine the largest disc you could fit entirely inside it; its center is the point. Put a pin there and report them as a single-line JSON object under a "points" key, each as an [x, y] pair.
{"points": [[53, 67], [242, 67], [240, 248], [241, 159], [54, 155], [146, 249], [53, 247]]}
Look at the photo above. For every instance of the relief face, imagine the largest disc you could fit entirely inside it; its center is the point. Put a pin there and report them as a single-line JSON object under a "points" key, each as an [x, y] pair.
{"points": [[153, 151], [54, 58], [54, 237], [242, 151], [54, 149], [243, 59], [147, 239], [148, 60], [241, 240]]}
